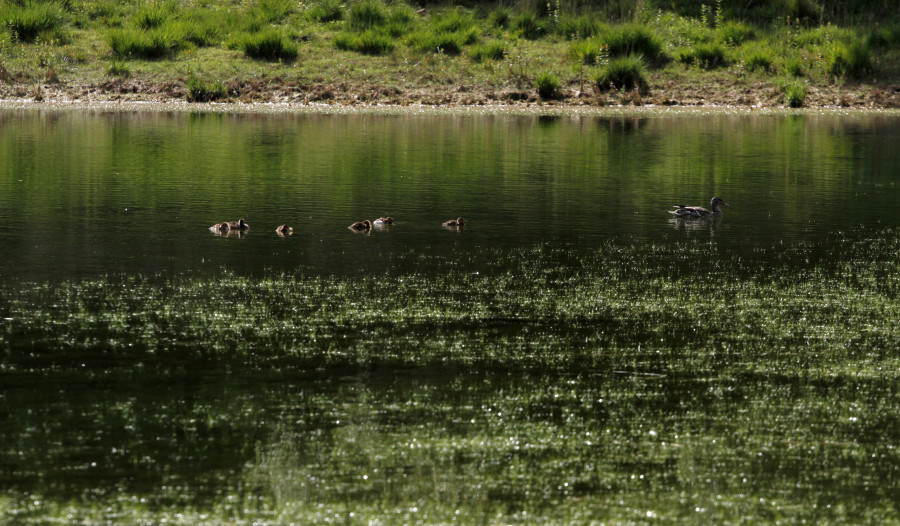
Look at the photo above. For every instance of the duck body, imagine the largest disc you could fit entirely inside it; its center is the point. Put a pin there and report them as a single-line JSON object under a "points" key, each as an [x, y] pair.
{"points": [[284, 230], [455, 222], [361, 226], [219, 227], [238, 225], [384, 221], [698, 211]]}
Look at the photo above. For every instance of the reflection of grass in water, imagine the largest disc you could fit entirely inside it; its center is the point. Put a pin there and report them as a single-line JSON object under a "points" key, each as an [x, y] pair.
{"points": [[631, 383]]}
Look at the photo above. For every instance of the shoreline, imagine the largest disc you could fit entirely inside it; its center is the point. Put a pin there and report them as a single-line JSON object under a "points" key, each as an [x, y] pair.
{"points": [[336, 108]]}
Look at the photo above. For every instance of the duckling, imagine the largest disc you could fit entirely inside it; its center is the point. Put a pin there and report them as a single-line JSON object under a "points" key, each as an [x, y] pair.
{"points": [[384, 221], [284, 230], [238, 225], [219, 228], [699, 211], [361, 226], [455, 222]]}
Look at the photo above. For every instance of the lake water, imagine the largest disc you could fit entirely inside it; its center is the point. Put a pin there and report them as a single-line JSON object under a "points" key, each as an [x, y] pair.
{"points": [[85, 194], [598, 370]]}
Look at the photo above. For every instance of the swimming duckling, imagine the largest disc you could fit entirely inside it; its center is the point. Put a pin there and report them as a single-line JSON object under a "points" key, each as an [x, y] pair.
{"points": [[455, 222], [284, 230], [699, 211], [219, 228], [361, 226], [384, 221], [238, 225]]}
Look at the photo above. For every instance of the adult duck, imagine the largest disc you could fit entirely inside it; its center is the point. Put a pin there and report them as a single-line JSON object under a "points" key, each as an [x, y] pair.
{"points": [[361, 226], [455, 222], [698, 211], [238, 225]]}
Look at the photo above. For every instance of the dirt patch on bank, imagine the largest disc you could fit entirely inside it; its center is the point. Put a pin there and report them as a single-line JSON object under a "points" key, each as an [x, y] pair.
{"points": [[664, 92]]}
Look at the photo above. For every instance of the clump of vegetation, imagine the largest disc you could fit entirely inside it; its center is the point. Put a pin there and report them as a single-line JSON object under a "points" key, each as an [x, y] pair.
{"points": [[269, 44], [369, 42], [118, 68], [578, 27], [632, 39], [366, 14], [707, 55], [794, 94], [587, 52], [529, 25], [500, 17], [448, 33], [199, 90], [493, 50], [628, 72], [152, 45], [28, 20], [735, 33], [758, 60], [547, 85], [852, 61], [326, 11]]}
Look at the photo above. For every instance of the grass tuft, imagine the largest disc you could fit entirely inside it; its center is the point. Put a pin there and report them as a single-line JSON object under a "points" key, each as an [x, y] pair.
{"points": [[707, 55], [854, 61], [626, 72], [794, 95], [547, 85], [326, 11], [198, 90], [369, 42], [151, 45], [494, 50], [270, 44], [632, 39], [529, 25], [31, 19]]}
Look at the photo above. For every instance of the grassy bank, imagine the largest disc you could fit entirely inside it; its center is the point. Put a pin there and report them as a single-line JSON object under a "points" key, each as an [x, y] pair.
{"points": [[632, 385], [776, 53]]}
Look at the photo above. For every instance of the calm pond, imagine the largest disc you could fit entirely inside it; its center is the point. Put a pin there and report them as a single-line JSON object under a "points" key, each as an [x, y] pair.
{"points": [[90, 194], [573, 354]]}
